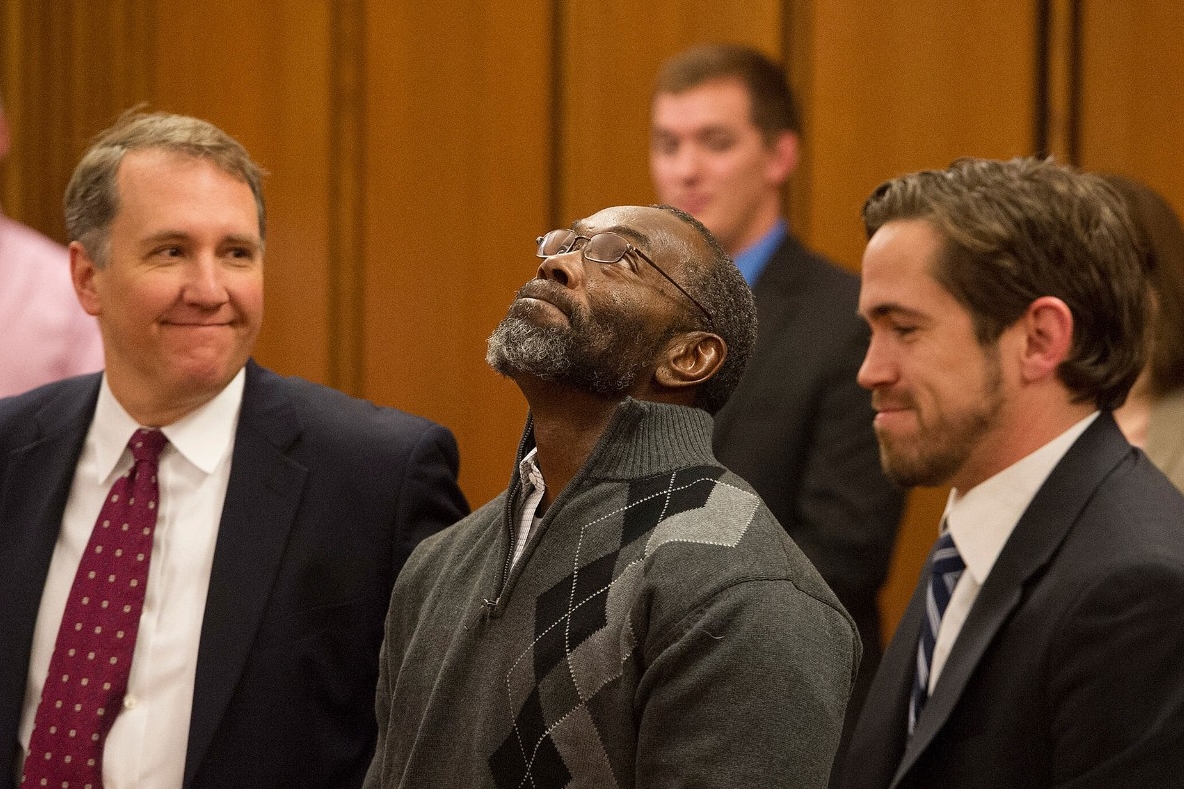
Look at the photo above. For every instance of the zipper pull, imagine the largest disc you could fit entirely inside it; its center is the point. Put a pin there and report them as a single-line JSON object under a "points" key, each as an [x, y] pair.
{"points": [[487, 606]]}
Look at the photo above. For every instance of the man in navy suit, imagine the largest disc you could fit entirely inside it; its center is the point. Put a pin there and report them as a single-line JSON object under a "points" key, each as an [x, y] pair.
{"points": [[285, 509], [1043, 645]]}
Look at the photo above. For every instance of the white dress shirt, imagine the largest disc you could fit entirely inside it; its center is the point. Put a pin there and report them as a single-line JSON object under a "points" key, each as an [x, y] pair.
{"points": [[147, 744], [981, 521]]}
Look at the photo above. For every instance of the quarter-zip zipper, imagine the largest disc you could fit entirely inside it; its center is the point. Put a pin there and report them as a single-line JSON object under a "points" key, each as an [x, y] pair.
{"points": [[508, 521], [488, 606]]}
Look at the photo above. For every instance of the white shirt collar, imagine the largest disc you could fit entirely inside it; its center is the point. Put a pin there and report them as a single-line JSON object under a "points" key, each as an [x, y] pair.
{"points": [[981, 520], [529, 472], [203, 437]]}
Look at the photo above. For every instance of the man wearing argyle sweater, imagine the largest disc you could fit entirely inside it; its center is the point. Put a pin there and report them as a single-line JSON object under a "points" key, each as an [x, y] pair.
{"points": [[628, 613]]}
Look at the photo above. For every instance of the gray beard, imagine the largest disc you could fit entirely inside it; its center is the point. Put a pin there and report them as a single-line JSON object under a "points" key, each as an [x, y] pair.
{"points": [[591, 356]]}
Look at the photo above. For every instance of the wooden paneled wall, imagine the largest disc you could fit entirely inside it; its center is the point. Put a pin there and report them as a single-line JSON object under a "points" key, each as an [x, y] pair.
{"points": [[416, 149]]}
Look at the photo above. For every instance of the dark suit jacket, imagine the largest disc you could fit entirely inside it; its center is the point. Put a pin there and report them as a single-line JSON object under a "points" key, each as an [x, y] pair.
{"points": [[799, 429], [1069, 669], [327, 497]]}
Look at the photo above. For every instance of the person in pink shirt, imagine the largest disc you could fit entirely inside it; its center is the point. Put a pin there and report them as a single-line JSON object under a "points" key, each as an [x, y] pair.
{"points": [[46, 334]]}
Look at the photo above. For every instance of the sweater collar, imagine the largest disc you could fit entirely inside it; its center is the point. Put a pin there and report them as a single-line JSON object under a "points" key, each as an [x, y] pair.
{"points": [[643, 438]]}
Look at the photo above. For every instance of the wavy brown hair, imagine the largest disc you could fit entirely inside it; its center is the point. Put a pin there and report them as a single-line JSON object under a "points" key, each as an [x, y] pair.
{"points": [[1019, 230]]}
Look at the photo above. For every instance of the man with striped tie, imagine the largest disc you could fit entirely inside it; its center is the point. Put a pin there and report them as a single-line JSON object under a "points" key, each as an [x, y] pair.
{"points": [[1042, 647]]}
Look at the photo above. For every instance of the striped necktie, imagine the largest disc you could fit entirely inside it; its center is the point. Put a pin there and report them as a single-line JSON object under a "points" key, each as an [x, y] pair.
{"points": [[945, 568]]}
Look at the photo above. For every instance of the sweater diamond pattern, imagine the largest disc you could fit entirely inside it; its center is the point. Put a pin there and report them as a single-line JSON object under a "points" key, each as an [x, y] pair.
{"points": [[553, 608], [583, 636]]}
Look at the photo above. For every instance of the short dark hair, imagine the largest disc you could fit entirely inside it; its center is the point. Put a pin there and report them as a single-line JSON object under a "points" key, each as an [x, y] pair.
{"points": [[1161, 241], [720, 287], [774, 108], [92, 196], [1018, 230]]}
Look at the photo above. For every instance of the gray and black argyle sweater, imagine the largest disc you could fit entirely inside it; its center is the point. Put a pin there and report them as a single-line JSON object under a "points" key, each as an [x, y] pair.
{"points": [[660, 630]]}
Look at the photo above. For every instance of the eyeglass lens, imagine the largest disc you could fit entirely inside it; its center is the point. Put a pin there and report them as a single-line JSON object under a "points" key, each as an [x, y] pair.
{"points": [[606, 247], [601, 248]]}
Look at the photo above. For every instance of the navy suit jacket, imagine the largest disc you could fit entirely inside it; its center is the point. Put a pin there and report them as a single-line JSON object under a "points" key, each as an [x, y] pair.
{"points": [[327, 497], [798, 428], [1069, 669]]}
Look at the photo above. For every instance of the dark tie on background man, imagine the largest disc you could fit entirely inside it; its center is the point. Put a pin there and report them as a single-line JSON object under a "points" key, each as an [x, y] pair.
{"points": [[88, 672], [946, 568]]}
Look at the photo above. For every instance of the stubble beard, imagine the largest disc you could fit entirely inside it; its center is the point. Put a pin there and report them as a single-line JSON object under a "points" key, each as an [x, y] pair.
{"points": [[939, 451]]}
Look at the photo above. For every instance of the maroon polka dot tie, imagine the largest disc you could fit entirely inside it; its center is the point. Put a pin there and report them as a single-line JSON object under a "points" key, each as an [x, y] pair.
{"points": [[91, 659]]}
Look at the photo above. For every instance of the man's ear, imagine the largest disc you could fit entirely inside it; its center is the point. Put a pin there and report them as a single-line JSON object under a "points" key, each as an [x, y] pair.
{"points": [[786, 153], [1048, 338], [82, 272], [690, 360]]}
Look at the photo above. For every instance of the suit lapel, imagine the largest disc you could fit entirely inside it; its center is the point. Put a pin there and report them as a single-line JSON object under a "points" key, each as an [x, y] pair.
{"points": [[879, 738], [1037, 536], [33, 495], [262, 500]]}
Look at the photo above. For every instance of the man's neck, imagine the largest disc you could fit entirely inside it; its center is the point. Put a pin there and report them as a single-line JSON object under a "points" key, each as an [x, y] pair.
{"points": [[766, 216], [1041, 423], [567, 426], [153, 409], [755, 257]]}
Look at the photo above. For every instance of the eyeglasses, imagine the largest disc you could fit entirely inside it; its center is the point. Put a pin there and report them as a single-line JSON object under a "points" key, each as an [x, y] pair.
{"points": [[604, 247]]}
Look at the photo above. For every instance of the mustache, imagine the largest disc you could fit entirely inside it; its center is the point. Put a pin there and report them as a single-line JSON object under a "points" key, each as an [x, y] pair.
{"points": [[882, 400], [550, 292]]}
